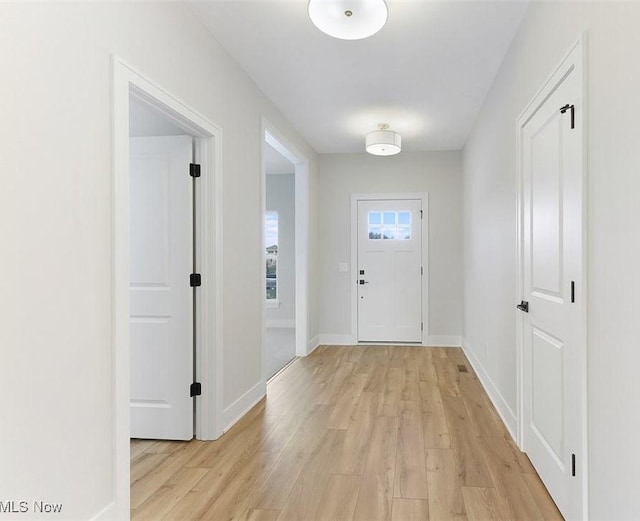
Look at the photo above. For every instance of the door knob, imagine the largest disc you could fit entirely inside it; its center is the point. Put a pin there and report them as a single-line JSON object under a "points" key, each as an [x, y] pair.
{"points": [[523, 306], [362, 281]]}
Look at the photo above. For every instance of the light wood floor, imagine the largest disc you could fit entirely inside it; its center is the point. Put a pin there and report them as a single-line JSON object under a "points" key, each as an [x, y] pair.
{"points": [[350, 433]]}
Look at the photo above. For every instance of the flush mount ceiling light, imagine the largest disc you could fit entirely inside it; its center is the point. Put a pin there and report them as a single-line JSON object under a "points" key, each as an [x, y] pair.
{"points": [[383, 142], [348, 19]]}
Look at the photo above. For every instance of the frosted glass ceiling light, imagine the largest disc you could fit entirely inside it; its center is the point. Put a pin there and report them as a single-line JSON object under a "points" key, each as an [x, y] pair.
{"points": [[383, 142], [348, 19]]}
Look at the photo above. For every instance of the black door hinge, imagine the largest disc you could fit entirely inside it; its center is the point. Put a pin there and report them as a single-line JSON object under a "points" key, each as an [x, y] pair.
{"points": [[194, 170], [573, 291], [421, 216], [573, 465], [572, 108], [421, 326], [195, 280], [195, 389]]}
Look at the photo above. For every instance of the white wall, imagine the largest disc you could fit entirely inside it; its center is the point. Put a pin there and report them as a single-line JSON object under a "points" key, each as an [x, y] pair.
{"points": [[547, 32], [55, 222], [281, 199], [439, 174]]}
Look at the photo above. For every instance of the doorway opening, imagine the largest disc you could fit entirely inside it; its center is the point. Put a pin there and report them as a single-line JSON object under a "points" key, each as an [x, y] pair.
{"points": [[142, 108], [163, 245], [280, 270], [284, 261]]}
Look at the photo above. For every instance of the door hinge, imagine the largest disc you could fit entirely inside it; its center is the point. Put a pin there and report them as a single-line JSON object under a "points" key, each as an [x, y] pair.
{"points": [[572, 108], [421, 326], [573, 465], [194, 170], [195, 280], [421, 270], [421, 215], [573, 291], [195, 389]]}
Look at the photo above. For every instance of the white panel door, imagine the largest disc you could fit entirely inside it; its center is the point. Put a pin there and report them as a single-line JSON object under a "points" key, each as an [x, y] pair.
{"points": [[161, 322], [389, 270], [552, 257]]}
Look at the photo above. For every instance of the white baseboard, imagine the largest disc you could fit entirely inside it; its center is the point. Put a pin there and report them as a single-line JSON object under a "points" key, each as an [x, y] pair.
{"points": [[108, 513], [443, 341], [312, 344], [501, 405], [281, 324], [337, 340], [234, 413]]}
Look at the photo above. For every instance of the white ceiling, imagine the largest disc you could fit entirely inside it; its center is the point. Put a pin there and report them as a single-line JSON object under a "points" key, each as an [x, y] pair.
{"points": [[426, 73]]}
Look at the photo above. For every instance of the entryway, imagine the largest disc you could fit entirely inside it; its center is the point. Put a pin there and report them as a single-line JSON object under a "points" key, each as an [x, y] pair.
{"points": [[389, 256]]}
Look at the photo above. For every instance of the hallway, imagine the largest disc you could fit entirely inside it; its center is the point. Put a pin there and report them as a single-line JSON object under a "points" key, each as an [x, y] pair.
{"points": [[372, 433]]}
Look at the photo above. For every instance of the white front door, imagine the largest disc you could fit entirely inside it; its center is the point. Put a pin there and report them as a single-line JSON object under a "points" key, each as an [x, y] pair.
{"points": [[551, 155], [161, 316], [389, 270]]}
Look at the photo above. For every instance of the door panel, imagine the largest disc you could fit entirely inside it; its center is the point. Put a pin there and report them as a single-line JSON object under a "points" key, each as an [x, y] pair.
{"points": [[390, 255], [378, 267], [149, 219], [551, 239], [546, 206], [151, 338], [408, 310], [547, 371], [161, 322]]}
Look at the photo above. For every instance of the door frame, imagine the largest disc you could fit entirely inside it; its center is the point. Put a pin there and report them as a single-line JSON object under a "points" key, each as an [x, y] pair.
{"points": [[272, 136], [575, 59], [208, 146], [424, 197]]}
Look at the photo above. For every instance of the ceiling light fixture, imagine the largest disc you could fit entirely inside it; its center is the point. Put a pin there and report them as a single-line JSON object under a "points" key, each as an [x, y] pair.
{"points": [[348, 19], [383, 142]]}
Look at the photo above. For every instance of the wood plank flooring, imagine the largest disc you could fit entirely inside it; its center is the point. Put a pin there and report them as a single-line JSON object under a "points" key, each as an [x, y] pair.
{"points": [[350, 434]]}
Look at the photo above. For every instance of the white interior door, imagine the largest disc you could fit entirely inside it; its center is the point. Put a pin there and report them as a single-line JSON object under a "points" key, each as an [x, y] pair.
{"points": [[551, 153], [161, 321], [389, 270]]}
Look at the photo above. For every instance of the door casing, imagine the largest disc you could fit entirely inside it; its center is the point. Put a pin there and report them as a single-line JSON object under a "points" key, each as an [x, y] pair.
{"points": [[208, 139], [574, 59], [424, 197]]}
